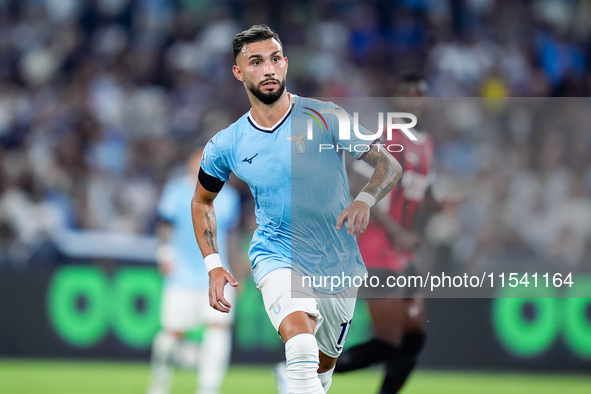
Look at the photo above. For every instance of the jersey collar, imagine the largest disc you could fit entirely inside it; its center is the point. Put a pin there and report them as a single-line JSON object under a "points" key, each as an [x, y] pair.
{"points": [[279, 122]]}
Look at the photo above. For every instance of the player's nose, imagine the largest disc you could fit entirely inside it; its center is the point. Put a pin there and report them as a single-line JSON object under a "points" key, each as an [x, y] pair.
{"points": [[269, 69]]}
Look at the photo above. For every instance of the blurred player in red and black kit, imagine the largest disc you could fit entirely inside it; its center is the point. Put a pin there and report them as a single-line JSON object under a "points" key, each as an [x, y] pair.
{"points": [[388, 249]]}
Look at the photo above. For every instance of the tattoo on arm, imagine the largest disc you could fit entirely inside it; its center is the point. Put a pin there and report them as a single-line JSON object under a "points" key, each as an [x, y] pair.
{"points": [[211, 230], [387, 172]]}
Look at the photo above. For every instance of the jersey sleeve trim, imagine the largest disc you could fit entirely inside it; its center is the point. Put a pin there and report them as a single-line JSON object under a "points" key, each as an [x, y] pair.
{"points": [[210, 183], [370, 146]]}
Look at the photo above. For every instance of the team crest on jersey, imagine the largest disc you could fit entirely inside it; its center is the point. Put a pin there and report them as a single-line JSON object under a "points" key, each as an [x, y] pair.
{"points": [[300, 144]]}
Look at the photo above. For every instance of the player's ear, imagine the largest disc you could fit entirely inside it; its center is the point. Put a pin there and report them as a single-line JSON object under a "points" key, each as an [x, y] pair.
{"points": [[286, 63], [237, 73]]}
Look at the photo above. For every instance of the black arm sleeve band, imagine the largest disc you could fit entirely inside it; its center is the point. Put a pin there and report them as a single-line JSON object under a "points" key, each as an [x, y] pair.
{"points": [[377, 141], [210, 183]]}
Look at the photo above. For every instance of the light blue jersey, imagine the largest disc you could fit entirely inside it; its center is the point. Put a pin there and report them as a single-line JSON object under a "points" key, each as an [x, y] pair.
{"points": [[175, 206], [299, 191]]}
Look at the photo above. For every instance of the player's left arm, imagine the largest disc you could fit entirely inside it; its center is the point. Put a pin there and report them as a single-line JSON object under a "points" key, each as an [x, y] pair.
{"points": [[387, 172], [447, 203]]}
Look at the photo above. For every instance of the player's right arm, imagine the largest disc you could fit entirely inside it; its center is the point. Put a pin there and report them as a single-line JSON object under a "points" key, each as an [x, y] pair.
{"points": [[204, 225], [213, 173]]}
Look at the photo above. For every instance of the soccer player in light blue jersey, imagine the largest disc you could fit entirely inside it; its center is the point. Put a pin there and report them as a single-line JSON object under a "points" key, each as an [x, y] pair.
{"points": [[185, 300], [306, 224]]}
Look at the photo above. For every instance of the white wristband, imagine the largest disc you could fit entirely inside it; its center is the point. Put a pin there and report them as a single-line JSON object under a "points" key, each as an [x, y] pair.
{"points": [[212, 261], [366, 198]]}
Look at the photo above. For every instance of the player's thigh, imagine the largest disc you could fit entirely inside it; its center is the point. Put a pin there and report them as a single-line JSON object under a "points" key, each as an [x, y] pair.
{"points": [[338, 315], [182, 308], [281, 301], [387, 315]]}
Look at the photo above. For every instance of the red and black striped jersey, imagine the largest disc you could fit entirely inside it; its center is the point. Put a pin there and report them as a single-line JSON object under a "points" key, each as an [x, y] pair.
{"points": [[415, 158], [404, 200]]}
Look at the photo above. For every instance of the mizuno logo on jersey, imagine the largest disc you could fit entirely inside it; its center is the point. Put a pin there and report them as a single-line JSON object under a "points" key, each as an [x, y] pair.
{"points": [[249, 161]]}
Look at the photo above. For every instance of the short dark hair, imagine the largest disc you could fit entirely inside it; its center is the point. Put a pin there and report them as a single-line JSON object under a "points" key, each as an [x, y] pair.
{"points": [[411, 77], [255, 34]]}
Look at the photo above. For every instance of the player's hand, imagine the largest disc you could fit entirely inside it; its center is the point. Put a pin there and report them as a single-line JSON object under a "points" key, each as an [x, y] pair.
{"points": [[165, 267], [406, 241], [218, 277], [450, 204], [356, 216]]}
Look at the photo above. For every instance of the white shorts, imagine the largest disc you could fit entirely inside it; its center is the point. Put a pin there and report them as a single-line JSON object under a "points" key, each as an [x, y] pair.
{"points": [[183, 309], [333, 313]]}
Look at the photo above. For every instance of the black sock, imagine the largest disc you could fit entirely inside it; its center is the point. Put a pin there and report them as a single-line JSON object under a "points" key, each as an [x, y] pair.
{"points": [[399, 367], [364, 355]]}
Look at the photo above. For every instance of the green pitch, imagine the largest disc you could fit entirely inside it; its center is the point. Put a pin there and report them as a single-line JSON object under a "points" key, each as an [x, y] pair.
{"points": [[45, 377]]}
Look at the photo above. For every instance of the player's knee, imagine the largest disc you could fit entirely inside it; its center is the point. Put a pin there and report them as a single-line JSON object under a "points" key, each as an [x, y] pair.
{"points": [[414, 319], [178, 334], [301, 353], [168, 337], [392, 337], [221, 326], [389, 334], [296, 323], [326, 363], [172, 333]]}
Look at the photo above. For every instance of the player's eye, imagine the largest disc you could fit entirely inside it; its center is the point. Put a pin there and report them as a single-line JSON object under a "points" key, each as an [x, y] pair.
{"points": [[276, 59], [256, 62]]}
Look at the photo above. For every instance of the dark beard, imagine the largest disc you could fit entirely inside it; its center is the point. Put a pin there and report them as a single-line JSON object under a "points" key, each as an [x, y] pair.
{"points": [[270, 97]]}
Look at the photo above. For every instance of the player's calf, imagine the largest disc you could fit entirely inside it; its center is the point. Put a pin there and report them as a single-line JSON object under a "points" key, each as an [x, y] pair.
{"points": [[326, 379], [163, 348], [399, 366], [362, 356], [301, 353], [325, 370]]}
